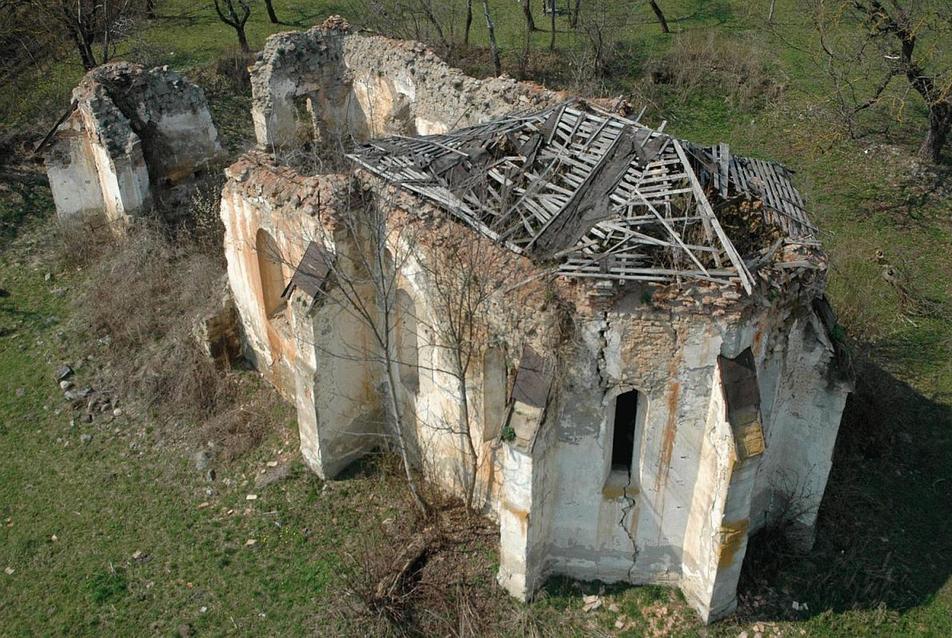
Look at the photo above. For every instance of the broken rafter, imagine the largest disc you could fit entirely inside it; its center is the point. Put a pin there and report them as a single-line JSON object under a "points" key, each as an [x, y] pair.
{"points": [[602, 195]]}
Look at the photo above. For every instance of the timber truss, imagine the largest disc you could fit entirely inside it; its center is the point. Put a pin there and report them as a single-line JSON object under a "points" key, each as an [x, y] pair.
{"points": [[594, 194]]}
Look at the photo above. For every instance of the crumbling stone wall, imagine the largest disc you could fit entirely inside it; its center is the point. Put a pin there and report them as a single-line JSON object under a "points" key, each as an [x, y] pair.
{"points": [[135, 138], [329, 83], [703, 475], [736, 393]]}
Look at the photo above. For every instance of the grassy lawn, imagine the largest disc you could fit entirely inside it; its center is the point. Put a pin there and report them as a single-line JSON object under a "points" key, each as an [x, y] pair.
{"points": [[119, 534]]}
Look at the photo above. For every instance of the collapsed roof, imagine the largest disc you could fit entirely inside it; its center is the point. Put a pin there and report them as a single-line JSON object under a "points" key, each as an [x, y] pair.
{"points": [[598, 195]]}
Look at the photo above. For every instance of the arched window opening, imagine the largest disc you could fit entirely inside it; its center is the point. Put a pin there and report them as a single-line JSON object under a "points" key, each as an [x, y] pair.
{"points": [[495, 386], [271, 270], [407, 349], [623, 437]]}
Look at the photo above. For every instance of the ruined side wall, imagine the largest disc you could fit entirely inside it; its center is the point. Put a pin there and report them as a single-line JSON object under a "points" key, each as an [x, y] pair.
{"points": [[804, 395], [133, 133], [314, 354], [429, 249], [370, 86]]}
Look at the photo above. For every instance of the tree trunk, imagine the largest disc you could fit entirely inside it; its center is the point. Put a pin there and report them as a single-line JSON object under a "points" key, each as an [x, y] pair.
{"points": [[465, 426], [86, 54], [469, 22], [242, 39], [770, 13], [573, 19], [391, 388], [150, 9], [552, 24], [940, 125], [271, 14], [527, 12], [493, 48], [660, 15]]}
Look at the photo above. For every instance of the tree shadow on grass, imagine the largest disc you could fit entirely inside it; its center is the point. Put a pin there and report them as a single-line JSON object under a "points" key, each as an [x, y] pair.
{"points": [[24, 193], [883, 539]]}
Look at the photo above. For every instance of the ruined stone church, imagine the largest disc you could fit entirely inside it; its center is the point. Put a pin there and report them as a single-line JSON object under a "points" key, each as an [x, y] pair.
{"points": [[657, 374]]}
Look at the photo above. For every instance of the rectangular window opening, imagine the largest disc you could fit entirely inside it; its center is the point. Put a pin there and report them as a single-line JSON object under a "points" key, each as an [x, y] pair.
{"points": [[623, 438]]}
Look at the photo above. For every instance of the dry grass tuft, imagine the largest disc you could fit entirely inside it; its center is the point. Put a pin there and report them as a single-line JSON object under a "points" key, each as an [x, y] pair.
{"points": [[710, 62], [138, 300]]}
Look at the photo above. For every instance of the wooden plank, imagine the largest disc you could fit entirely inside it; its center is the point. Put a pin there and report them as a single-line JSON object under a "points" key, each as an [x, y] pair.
{"points": [[745, 278]]}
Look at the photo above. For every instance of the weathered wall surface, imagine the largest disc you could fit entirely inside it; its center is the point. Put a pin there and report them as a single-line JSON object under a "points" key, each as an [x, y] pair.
{"points": [[133, 136], [315, 356], [327, 82], [703, 476]]}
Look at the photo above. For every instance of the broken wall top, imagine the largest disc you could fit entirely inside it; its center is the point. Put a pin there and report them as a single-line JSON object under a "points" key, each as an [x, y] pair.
{"points": [[123, 104], [327, 59]]}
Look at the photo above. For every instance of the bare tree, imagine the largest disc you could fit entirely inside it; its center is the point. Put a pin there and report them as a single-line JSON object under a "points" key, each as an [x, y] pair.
{"points": [[92, 26], [364, 267], [235, 13], [660, 15], [272, 16], [469, 22], [527, 13], [889, 40], [493, 47], [602, 24], [470, 274], [573, 17]]}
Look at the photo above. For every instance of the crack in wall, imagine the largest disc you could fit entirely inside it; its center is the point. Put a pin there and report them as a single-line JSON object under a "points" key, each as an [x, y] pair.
{"points": [[601, 363], [625, 512]]}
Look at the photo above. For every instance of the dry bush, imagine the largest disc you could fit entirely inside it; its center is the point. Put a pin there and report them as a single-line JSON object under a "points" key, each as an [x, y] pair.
{"points": [[141, 295], [232, 68], [712, 62], [601, 30]]}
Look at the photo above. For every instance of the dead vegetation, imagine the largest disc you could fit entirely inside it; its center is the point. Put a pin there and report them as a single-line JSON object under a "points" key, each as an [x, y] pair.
{"points": [[432, 576], [710, 62], [135, 309]]}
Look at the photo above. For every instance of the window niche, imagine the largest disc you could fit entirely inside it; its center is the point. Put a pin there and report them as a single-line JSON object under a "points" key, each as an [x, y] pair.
{"points": [[408, 356], [623, 432], [271, 271], [627, 423]]}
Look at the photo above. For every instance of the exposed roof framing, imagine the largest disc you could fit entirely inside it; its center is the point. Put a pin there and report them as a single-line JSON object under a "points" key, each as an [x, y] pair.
{"points": [[598, 195]]}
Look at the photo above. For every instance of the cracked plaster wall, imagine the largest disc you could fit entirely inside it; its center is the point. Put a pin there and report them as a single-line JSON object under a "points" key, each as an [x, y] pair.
{"points": [[688, 504], [326, 83], [133, 137]]}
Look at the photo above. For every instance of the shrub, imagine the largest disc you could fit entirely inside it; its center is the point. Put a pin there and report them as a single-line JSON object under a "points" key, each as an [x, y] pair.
{"points": [[144, 292], [700, 62]]}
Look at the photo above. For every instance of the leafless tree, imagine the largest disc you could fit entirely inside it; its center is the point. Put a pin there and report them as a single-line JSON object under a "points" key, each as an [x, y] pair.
{"points": [[467, 276], [660, 15], [601, 25], [235, 13], [493, 47], [527, 13], [573, 17], [364, 258], [272, 16], [469, 22], [890, 39], [93, 26]]}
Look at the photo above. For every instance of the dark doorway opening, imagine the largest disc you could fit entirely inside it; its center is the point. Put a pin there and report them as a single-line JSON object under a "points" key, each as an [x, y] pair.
{"points": [[623, 438]]}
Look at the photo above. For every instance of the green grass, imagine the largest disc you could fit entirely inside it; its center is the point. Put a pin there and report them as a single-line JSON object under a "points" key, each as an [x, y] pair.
{"points": [[884, 555]]}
